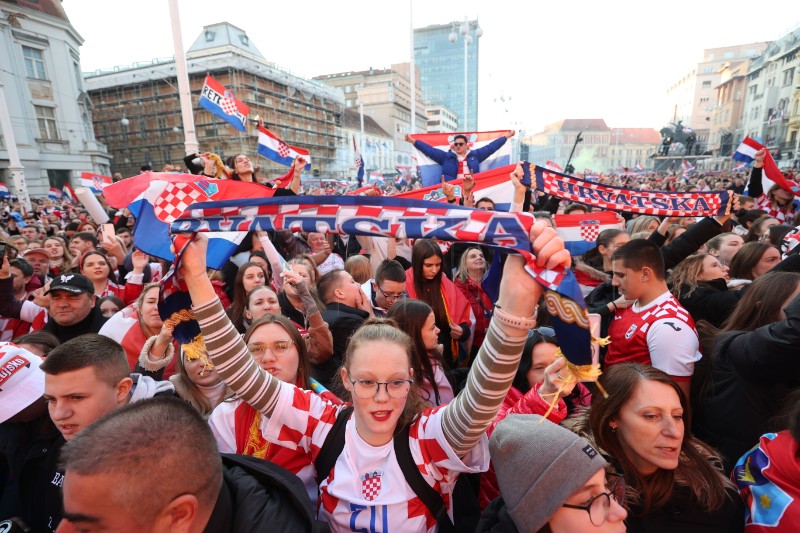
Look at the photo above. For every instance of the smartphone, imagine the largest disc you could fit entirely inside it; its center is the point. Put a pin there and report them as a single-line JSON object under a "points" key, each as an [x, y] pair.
{"points": [[2, 249], [108, 231]]}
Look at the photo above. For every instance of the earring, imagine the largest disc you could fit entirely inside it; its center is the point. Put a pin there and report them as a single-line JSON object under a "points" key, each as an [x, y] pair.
{"points": [[613, 429]]}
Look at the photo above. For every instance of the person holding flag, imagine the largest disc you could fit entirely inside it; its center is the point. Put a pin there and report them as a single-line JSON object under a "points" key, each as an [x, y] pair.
{"points": [[777, 201], [460, 159]]}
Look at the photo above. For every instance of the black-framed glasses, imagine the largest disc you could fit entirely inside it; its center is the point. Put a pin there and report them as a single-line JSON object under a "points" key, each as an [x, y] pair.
{"points": [[599, 506], [366, 389], [392, 297]]}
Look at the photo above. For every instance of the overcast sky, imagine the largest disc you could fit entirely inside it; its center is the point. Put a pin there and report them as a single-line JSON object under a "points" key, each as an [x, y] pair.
{"points": [[547, 60]]}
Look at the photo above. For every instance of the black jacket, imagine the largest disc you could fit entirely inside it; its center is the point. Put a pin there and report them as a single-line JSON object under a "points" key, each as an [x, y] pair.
{"points": [[681, 514], [711, 301], [752, 373], [91, 324], [495, 519], [258, 496], [343, 321]]}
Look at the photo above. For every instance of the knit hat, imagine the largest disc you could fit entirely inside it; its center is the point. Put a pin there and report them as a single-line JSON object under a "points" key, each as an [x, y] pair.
{"points": [[21, 380], [539, 466]]}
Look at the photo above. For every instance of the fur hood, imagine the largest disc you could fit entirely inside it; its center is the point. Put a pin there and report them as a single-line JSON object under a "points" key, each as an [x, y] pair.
{"points": [[590, 271]]}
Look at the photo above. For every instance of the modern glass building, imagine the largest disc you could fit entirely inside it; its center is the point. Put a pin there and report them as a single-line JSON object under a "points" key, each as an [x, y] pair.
{"points": [[441, 66]]}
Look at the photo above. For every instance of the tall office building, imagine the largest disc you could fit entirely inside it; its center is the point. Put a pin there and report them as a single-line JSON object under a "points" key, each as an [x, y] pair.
{"points": [[441, 64]]}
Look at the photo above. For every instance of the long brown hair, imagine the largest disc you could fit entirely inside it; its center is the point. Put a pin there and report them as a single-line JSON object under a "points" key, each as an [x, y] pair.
{"points": [[411, 316], [747, 258], [236, 311], [429, 292], [685, 276], [303, 361], [382, 330], [761, 304], [699, 468]]}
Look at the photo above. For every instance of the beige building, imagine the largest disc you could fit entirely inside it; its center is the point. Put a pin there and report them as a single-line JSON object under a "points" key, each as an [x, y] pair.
{"points": [[376, 145], [555, 143], [726, 115], [793, 126], [386, 97], [693, 96], [632, 146], [441, 119]]}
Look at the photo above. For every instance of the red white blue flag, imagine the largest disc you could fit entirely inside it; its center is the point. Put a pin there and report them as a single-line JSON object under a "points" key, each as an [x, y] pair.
{"points": [[55, 194], [3, 190], [579, 231], [70, 193], [95, 182], [771, 175], [431, 171], [219, 101], [274, 148]]}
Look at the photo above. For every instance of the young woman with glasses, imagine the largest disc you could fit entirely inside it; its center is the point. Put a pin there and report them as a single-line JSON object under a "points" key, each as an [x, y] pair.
{"points": [[366, 484]]}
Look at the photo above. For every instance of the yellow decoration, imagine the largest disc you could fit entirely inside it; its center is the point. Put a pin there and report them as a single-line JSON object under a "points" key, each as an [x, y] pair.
{"points": [[765, 501]]}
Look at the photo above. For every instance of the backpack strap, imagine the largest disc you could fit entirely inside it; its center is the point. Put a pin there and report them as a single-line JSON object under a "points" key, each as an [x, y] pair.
{"points": [[429, 496], [333, 446]]}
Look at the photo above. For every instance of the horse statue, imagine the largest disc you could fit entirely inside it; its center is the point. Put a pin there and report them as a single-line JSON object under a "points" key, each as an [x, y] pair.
{"points": [[677, 139]]}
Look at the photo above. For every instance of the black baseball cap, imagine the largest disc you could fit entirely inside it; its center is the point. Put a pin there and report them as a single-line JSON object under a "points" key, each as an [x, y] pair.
{"points": [[74, 283]]}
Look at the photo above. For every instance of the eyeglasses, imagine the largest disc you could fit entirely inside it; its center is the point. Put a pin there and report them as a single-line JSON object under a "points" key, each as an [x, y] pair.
{"points": [[599, 506], [392, 297], [367, 389], [459, 144], [278, 347]]}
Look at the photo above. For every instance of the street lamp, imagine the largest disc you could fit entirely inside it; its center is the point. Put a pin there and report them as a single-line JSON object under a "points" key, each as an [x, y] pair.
{"points": [[466, 28]]}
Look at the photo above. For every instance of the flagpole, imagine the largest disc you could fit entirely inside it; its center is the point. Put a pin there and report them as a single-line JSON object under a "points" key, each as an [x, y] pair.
{"points": [[361, 111], [184, 90], [15, 167], [412, 70]]}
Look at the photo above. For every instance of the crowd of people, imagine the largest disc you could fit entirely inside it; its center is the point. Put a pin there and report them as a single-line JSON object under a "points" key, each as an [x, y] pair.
{"points": [[345, 383]]}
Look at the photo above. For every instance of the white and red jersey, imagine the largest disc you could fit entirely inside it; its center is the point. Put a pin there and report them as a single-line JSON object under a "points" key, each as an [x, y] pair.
{"points": [[660, 334], [333, 262], [784, 214], [366, 490]]}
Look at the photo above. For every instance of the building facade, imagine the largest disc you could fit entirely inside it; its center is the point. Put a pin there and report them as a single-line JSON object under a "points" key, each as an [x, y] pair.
{"points": [[693, 97], [376, 145], [771, 89], [726, 116], [442, 64], [46, 98], [441, 119], [385, 95], [632, 146], [556, 141], [137, 109]]}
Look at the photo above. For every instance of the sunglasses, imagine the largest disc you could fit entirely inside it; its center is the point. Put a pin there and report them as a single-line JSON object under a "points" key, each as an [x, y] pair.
{"points": [[459, 144]]}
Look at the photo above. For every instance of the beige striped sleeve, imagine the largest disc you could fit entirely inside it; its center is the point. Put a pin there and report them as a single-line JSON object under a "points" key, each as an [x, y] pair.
{"points": [[233, 362], [469, 415]]}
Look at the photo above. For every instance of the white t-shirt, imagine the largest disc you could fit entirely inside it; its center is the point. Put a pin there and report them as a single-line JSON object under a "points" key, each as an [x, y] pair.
{"points": [[366, 490], [333, 262]]}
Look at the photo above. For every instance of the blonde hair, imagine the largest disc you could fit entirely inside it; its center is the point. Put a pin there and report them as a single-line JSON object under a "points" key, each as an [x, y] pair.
{"points": [[686, 275], [358, 266]]}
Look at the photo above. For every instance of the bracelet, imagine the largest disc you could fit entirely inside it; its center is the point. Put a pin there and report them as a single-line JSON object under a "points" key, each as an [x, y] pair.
{"points": [[615, 306], [451, 201], [515, 321]]}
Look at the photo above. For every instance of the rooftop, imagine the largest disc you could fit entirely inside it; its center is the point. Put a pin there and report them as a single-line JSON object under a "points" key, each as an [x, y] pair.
{"points": [[578, 124], [635, 136], [220, 35], [352, 121]]}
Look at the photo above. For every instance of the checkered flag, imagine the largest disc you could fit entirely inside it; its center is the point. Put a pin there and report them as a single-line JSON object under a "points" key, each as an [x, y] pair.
{"points": [[176, 198]]}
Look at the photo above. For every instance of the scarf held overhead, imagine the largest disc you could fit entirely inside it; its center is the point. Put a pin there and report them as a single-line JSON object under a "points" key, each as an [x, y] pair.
{"points": [[402, 218], [666, 204]]}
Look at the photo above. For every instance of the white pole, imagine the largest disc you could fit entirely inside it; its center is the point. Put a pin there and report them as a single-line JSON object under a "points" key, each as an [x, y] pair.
{"points": [[361, 141], [413, 74], [14, 164], [184, 91], [465, 78]]}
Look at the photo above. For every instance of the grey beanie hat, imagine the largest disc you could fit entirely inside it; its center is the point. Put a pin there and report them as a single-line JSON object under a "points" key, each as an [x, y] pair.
{"points": [[539, 466]]}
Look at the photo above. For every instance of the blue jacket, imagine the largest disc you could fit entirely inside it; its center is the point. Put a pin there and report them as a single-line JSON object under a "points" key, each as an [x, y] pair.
{"points": [[449, 160]]}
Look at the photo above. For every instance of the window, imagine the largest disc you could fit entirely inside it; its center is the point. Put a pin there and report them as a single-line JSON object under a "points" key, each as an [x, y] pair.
{"points": [[34, 63], [46, 117], [707, 84], [788, 76]]}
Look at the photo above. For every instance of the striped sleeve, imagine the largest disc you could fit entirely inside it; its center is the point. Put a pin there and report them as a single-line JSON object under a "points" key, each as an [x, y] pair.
{"points": [[232, 361], [468, 416]]}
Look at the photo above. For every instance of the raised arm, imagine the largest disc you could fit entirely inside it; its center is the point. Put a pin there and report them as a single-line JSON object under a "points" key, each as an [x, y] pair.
{"points": [[471, 413], [225, 346]]}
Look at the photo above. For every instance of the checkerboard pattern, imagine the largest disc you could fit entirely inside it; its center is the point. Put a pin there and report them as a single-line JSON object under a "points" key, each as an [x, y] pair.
{"points": [[371, 485], [589, 232], [175, 199], [228, 105], [283, 149]]}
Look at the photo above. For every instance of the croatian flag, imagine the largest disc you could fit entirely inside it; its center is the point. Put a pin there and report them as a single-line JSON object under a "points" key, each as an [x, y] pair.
{"points": [[687, 167], [431, 171], [494, 184], [770, 175], [639, 166], [219, 101], [579, 232], [95, 182], [272, 147], [359, 164], [156, 199], [4, 190], [375, 177], [70, 193], [740, 166], [55, 194]]}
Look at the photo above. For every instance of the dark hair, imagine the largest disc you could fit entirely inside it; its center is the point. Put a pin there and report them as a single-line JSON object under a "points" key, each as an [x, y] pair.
{"points": [[303, 361], [231, 164], [86, 236], [249, 297], [755, 232], [460, 136], [485, 199], [391, 270], [125, 441], [762, 302], [47, 342], [750, 216], [327, 284], [123, 230], [429, 291], [593, 257], [526, 363], [640, 253], [715, 243], [262, 255], [236, 311], [72, 226], [102, 353], [116, 300], [23, 266], [575, 206], [777, 233], [699, 468], [747, 258], [411, 316]]}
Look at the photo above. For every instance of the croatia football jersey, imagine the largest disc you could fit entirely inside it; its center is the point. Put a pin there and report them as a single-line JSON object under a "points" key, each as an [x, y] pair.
{"points": [[366, 490]]}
